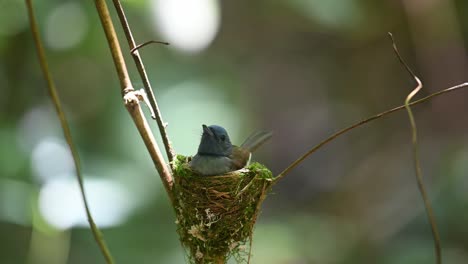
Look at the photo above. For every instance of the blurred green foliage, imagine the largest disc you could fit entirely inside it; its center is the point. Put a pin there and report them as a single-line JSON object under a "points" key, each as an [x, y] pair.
{"points": [[302, 69]]}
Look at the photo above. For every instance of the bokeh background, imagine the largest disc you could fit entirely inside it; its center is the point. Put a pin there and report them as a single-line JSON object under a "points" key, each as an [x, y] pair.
{"points": [[300, 68]]}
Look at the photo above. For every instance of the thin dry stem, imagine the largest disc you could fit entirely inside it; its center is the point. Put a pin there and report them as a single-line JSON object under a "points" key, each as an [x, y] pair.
{"points": [[114, 46], [144, 77], [66, 131], [139, 46], [414, 138], [360, 123]]}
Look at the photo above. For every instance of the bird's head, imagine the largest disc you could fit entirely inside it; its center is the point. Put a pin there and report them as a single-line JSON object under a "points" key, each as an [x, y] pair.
{"points": [[215, 141]]}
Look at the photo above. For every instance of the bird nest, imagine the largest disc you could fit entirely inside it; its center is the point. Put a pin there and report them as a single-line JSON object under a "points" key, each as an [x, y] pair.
{"points": [[216, 214]]}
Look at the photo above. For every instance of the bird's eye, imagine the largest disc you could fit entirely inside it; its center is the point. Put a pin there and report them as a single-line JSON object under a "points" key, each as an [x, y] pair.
{"points": [[222, 137]]}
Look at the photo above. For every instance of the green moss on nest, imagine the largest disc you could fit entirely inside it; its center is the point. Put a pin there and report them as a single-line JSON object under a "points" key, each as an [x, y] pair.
{"points": [[216, 214]]}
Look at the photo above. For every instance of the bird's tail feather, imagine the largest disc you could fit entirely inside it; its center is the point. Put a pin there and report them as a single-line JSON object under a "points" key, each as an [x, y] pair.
{"points": [[256, 139]]}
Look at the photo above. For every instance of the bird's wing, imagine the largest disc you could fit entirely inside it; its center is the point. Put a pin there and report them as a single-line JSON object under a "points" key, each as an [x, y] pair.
{"points": [[239, 157], [256, 139]]}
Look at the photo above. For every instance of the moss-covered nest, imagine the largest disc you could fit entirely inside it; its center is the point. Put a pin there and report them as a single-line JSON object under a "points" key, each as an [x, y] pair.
{"points": [[216, 214]]}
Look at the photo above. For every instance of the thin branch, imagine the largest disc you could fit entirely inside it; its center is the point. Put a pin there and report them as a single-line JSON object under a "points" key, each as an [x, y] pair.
{"points": [[402, 61], [360, 123], [147, 43], [414, 137], [114, 46], [130, 96], [144, 77], [66, 130]]}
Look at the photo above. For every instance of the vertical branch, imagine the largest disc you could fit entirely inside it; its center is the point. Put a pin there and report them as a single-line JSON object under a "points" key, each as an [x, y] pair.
{"points": [[141, 70], [66, 130], [116, 51], [414, 138], [132, 103], [132, 98]]}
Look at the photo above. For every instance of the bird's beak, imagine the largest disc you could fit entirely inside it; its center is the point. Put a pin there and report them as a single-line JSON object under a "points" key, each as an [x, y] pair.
{"points": [[207, 130]]}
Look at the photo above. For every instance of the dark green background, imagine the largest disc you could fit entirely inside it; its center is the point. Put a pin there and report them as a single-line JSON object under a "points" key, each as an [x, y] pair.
{"points": [[302, 69]]}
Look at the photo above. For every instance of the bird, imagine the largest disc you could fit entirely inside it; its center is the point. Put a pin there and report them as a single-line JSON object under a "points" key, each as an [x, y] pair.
{"points": [[217, 156]]}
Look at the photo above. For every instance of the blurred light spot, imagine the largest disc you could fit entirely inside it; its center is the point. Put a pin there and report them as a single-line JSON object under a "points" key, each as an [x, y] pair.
{"points": [[189, 25], [331, 13], [460, 167], [274, 243], [13, 17], [40, 122], [176, 256], [408, 250], [66, 26], [331, 238], [61, 204], [198, 103], [138, 179], [456, 254], [51, 158], [15, 202], [12, 160], [4, 89]]}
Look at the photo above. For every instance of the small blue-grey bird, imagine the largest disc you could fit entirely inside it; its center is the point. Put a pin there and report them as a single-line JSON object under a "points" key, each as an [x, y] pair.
{"points": [[217, 156]]}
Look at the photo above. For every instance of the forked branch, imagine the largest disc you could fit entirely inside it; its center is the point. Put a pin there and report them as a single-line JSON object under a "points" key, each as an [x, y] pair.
{"points": [[144, 77], [132, 98]]}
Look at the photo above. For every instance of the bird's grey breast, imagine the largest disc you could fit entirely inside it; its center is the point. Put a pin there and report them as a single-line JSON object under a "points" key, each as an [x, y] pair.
{"points": [[209, 165]]}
